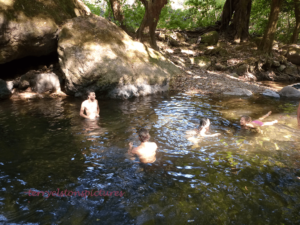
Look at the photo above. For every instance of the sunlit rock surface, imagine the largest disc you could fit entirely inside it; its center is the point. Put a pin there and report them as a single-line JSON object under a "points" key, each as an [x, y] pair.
{"points": [[96, 54], [29, 27]]}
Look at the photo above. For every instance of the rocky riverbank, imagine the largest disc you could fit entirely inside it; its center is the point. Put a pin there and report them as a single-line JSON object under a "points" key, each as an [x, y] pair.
{"points": [[220, 67]]}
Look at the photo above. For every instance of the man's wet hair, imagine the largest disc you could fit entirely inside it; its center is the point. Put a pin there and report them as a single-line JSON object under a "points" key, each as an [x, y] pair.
{"points": [[203, 122], [88, 92], [144, 135], [247, 118]]}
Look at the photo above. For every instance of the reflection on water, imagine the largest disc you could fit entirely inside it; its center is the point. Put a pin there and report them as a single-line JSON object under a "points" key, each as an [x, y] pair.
{"points": [[240, 177]]}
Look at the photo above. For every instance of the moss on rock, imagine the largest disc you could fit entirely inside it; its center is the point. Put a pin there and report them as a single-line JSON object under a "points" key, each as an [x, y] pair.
{"points": [[210, 38]]}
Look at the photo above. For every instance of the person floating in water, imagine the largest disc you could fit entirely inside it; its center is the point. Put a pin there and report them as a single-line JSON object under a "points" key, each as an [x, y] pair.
{"points": [[90, 106], [204, 127], [246, 121], [147, 150]]}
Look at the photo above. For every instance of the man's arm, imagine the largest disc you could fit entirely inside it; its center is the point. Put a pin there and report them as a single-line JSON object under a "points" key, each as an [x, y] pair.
{"points": [[82, 112], [298, 115]]}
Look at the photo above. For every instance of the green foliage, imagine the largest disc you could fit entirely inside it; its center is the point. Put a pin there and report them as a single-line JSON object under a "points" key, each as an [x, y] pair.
{"points": [[94, 8], [133, 14], [260, 15], [201, 13]]}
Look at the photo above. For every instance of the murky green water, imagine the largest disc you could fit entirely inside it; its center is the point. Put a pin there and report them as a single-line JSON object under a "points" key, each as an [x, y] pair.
{"points": [[240, 177]]}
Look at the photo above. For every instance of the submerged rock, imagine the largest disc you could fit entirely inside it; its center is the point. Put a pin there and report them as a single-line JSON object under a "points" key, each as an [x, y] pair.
{"points": [[96, 54], [239, 92], [29, 27], [291, 91], [271, 93]]}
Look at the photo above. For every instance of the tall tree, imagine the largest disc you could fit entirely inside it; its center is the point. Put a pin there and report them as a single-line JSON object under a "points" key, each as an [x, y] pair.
{"points": [[151, 17], [238, 26], [295, 36], [267, 41], [116, 8]]}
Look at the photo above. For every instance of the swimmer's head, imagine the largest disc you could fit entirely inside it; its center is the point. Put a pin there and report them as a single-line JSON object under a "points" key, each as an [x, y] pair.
{"points": [[144, 135], [91, 95], [204, 123], [245, 119]]}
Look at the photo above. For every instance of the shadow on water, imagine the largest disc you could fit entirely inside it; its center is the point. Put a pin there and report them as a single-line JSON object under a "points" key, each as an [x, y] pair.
{"points": [[238, 177]]}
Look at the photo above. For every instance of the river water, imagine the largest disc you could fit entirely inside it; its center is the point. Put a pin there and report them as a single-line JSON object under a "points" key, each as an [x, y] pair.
{"points": [[240, 177]]}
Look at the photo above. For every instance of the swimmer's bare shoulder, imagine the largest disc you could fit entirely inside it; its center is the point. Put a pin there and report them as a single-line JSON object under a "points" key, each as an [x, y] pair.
{"points": [[153, 145], [84, 103]]}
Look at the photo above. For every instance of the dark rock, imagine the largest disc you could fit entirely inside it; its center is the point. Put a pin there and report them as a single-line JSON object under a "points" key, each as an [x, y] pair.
{"points": [[291, 70], [295, 59], [241, 70], [29, 27], [291, 91]]}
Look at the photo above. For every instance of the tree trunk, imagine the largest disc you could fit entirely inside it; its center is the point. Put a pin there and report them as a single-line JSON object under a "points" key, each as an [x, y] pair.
{"points": [[267, 41], [295, 36], [238, 27], [241, 19], [117, 13], [151, 17], [139, 32], [227, 13]]}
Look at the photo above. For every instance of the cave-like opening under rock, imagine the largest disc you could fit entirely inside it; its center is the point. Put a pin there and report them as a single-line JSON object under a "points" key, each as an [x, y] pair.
{"points": [[18, 67]]}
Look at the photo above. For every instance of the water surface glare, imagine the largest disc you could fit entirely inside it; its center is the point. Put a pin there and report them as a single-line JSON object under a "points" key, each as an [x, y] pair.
{"points": [[240, 177]]}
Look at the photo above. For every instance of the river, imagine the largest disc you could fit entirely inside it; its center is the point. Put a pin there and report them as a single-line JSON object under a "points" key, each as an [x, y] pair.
{"points": [[240, 177]]}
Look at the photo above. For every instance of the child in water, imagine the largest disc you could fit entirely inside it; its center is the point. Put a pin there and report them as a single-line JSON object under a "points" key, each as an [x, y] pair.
{"points": [[246, 121], [147, 150], [204, 127]]}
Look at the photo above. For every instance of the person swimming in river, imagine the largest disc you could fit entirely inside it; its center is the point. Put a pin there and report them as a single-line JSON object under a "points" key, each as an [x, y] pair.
{"points": [[246, 121], [90, 107], [204, 127], [147, 150]]}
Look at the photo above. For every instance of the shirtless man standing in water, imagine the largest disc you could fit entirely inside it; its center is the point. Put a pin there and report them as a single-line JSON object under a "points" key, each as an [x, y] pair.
{"points": [[90, 106]]}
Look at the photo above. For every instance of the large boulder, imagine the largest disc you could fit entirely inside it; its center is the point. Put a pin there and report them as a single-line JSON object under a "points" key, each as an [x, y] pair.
{"points": [[210, 38], [29, 27], [96, 54], [291, 91]]}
